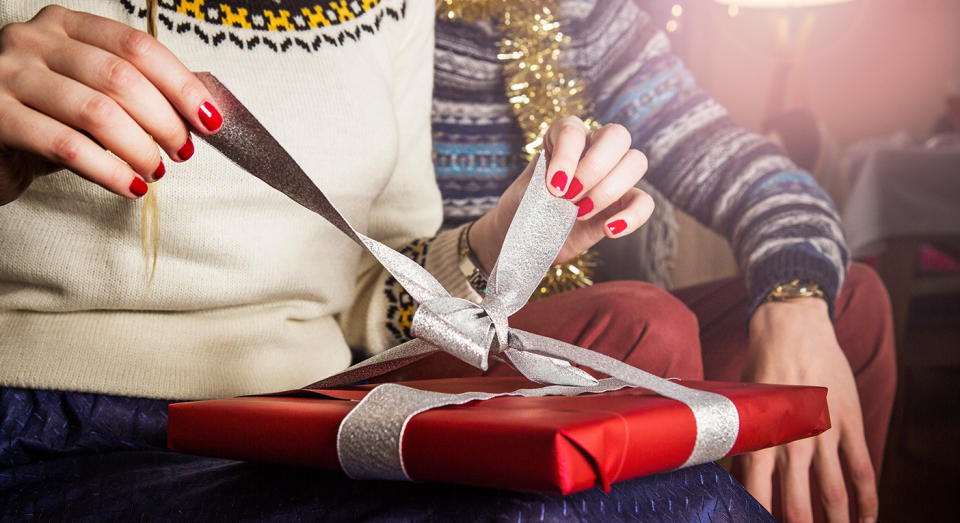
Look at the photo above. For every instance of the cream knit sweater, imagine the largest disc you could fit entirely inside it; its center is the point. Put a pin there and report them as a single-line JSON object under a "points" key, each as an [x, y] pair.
{"points": [[252, 292]]}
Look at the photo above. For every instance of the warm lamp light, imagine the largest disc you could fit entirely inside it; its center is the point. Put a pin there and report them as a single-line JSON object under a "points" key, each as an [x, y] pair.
{"points": [[779, 3], [791, 42]]}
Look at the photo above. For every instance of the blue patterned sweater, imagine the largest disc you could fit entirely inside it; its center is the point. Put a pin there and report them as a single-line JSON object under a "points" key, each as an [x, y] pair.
{"points": [[779, 222]]}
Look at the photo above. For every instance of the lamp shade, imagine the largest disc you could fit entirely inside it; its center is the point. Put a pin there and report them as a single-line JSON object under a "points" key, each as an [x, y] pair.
{"points": [[779, 3]]}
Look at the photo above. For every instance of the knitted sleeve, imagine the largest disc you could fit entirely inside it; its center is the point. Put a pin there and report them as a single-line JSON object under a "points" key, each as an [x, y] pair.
{"points": [[408, 213], [779, 222]]}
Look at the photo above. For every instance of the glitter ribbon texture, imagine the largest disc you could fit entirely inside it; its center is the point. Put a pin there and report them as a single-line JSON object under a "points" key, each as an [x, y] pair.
{"points": [[370, 438]]}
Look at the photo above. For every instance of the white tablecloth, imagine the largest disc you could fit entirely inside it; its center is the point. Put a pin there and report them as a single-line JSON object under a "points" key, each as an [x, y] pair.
{"points": [[903, 192]]}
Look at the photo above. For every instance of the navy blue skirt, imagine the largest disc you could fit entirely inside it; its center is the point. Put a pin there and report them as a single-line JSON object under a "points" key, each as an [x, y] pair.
{"points": [[67, 456]]}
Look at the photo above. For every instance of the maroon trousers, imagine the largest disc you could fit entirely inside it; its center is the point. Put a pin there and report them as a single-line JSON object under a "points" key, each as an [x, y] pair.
{"points": [[701, 333]]}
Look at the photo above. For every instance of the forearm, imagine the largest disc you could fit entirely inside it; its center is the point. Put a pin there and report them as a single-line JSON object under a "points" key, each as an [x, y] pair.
{"points": [[780, 224]]}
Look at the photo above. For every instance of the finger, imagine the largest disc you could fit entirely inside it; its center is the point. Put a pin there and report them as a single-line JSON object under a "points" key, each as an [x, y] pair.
{"points": [[181, 87], [83, 108], [619, 219], [757, 478], [606, 149], [795, 481], [829, 474], [565, 141], [124, 83], [857, 456], [635, 209], [24, 128], [613, 186]]}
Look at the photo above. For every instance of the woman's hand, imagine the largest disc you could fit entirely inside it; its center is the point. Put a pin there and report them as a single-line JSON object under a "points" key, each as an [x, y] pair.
{"points": [[597, 170], [74, 84], [794, 343]]}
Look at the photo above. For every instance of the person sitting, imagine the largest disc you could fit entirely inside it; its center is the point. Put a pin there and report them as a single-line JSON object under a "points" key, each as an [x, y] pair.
{"points": [[812, 318], [247, 293]]}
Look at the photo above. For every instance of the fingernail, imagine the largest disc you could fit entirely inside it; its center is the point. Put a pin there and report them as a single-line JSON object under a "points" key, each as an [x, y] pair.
{"points": [[159, 171], [574, 190], [138, 187], [869, 520], [559, 180], [209, 116], [617, 226], [585, 206], [186, 151]]}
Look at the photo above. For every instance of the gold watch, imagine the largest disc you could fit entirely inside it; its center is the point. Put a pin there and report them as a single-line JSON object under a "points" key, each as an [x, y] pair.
{"points": [[795, 290], [469, 265]]}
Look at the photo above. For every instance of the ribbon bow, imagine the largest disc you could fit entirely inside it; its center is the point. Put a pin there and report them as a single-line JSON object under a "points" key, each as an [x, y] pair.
{"points": [[369, 441], [472, 332]]}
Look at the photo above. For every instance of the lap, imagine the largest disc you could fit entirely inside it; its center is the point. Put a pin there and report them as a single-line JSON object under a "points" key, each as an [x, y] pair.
{"points": [[156, 485], [635, 322], [90, 457]]}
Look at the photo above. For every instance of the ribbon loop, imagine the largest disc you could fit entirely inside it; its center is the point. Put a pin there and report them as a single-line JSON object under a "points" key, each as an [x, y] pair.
{"points": [[457, 326], [538, 231]]}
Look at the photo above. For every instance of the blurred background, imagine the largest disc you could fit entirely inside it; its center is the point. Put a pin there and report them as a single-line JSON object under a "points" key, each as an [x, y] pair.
{"points": [[865, 94]]}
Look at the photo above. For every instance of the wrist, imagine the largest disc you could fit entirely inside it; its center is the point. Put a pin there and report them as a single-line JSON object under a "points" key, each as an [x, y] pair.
{"points": [[469, 265], [799, 308], [792, 263], [795, 319], [485, 242]]}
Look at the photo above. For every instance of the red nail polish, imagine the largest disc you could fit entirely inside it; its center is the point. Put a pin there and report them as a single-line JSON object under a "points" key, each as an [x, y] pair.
{"points": [[186, 151], [585, 206], [209, 116], [574, 190], [617, 226], [159, 171], [559, 180], [138, 187]]}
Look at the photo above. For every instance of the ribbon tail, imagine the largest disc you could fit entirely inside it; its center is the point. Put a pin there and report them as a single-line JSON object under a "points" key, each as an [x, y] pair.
{"points": [[718, 421], [387, 361], [247, 143], [548, 371]]}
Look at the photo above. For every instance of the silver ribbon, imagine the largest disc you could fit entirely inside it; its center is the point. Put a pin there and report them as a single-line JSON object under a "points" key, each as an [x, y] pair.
{"points": [[370, 438]]}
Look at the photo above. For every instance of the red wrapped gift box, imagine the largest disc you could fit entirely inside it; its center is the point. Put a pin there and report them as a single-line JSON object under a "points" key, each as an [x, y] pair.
{"points": [[553, 444]]}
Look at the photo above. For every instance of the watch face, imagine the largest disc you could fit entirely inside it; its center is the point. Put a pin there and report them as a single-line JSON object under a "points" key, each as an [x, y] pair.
{"points": [[795, 290]]}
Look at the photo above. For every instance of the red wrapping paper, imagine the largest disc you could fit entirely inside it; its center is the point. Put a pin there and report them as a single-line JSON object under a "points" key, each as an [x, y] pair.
{"points": [[553, 444]]}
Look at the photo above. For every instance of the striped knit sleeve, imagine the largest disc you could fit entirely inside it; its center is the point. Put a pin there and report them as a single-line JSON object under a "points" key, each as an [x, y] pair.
{"points": [[781, 225]]}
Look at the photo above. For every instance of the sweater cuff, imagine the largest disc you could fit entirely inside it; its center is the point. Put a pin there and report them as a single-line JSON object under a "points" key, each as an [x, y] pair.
{"points": [[443, 262], [792, 263]]}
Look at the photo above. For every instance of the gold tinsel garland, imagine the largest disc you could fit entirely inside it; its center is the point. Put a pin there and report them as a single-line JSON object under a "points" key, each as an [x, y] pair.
{"points": [[539, 87]]}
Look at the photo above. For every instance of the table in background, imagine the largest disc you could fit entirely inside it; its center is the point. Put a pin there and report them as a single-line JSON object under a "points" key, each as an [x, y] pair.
{"points": [[901, 199]]}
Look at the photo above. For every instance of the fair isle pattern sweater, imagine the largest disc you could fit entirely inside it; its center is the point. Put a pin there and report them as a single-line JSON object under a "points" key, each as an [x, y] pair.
{"points": [[780, 223], [252, 293]]}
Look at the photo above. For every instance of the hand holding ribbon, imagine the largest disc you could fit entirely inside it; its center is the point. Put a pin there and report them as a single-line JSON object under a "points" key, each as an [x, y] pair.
{"points": [[370, 437]]}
